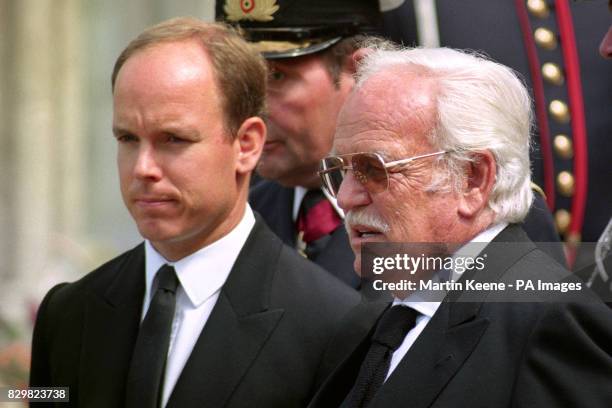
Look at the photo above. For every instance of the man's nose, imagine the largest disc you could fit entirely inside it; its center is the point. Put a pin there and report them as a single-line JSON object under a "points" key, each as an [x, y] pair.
{"points": [[275, 106], [352, 194], [147, 164]]}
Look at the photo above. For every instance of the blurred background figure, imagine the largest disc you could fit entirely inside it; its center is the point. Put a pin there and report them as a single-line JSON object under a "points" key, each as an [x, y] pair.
{"points": [[310, 48]]}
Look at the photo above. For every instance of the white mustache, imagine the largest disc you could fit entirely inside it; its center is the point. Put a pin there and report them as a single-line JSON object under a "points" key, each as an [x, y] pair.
{"points": [[366, 219]]}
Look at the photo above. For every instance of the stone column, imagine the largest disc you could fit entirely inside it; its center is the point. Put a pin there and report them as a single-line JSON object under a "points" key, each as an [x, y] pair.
{"points": [[43, 116]]}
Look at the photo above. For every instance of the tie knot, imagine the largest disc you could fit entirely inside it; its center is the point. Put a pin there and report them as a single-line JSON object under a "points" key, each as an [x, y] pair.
{"points": [[393, 326], [311, 198], [166, 278], [317, 217]]}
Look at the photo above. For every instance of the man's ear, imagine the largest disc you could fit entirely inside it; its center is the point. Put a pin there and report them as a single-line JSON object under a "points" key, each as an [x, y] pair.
{"points": [[249, 143], [480, 178], [357, 56], [349, 67], [352, 60]]}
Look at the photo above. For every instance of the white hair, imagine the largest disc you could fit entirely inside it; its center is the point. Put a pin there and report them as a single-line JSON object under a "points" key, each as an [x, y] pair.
{"points": [[481, 105]]}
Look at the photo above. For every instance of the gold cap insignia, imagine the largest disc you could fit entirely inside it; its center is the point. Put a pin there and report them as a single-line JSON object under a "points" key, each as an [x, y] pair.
{"points": [[255, 10]]}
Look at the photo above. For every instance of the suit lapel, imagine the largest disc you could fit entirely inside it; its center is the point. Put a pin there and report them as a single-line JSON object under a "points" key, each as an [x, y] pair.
{"points": [[452, 334], [240, 324], [435, 357], [353, 343], [112, 319], [226, 348]]}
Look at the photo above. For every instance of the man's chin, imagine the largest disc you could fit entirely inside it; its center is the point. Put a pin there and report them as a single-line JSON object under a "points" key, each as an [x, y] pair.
{"points": [[155, 232]]}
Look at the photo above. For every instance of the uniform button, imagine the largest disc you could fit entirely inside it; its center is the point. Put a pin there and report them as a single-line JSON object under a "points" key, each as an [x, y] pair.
{"points": [[565, 183], [552, 73], [563, 147], [562, 220], [545, 38], [559, 111], [538, 8]]}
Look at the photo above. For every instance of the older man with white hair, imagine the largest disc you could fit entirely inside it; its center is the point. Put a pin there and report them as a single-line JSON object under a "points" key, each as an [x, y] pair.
{"points": [[432, 147]]}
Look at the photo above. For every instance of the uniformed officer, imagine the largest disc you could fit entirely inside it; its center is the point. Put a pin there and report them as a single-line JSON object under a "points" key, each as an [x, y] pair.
{"points": [[309, 46]]}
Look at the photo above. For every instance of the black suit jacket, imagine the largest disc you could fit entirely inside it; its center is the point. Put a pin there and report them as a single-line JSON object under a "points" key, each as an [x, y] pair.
{"points": [[492, 354], [261, 346], [275, 204]]}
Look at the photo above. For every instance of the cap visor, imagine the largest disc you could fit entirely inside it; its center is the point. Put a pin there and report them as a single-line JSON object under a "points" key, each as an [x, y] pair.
{"points": [[285, 49]]}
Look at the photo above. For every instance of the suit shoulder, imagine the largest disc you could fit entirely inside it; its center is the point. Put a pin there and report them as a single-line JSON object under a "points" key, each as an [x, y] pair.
{"points": [[538, 264], [563, 328], [266, 192], [313, 285], [99, 278], [264, 187]]}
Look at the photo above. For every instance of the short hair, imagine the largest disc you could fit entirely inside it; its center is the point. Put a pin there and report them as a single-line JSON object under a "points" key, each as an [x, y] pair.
{"points": [[481, 105], [240, 72], [335, 56]]}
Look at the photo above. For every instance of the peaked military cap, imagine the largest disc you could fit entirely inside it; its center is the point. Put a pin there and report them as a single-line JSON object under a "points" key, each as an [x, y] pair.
{"points": [[291, 28]]}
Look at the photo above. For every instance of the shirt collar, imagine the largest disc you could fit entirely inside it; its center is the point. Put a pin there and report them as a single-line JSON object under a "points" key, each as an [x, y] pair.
{"points": [[417, 300], [204, 272], [413, 301], [477, 244], [490, 233]]}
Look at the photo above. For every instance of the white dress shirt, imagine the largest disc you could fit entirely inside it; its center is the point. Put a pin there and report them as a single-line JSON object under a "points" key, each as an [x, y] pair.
{"points": [[201, 276], [427, 309]]}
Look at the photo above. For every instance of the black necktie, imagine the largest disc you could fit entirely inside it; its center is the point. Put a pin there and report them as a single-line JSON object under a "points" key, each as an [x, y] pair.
{"points": [[390, 332], [148, 363]]}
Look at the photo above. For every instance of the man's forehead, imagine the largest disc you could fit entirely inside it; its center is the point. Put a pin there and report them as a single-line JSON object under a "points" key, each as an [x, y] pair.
{"points": [[388, 102], [362, 126], [176, 61], [382, 112], [181, 70], [364, 113], [398, 81]]}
